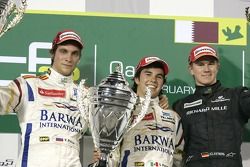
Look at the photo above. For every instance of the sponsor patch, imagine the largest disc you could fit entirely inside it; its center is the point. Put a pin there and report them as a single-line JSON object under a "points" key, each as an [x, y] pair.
{"points": [[231, 154], [74, 94], [51, 92], [66, 105], [43, 138], [192, 104], [220, 99], [152, 163], [159, 127], [59, 139], [167, 117], [217, 154], [139, 164], [148, 117], [205, 155]]}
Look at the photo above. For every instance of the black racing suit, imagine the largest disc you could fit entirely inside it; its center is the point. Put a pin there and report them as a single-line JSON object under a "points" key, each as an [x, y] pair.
{"points": [[213, 119]]}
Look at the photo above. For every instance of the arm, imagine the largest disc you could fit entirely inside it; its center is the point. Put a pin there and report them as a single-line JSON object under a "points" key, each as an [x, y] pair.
{"points": [[163, 102], [96, 157], [11, 97], [179, 145], [245, 101]]}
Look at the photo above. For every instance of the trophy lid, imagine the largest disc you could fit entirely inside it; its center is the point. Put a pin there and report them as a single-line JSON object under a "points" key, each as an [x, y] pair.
{"points": [[115, 80]]}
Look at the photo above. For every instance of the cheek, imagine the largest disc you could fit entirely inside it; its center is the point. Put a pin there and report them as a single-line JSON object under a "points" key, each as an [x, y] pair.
{"points": [[191, 72], [57, 58], [77, 61], [215, 71], [160, 82], [137, 81]]}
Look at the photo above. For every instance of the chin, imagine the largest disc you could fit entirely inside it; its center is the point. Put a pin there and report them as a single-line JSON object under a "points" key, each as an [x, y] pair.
{"points": [[154, 95], [66, 73]]}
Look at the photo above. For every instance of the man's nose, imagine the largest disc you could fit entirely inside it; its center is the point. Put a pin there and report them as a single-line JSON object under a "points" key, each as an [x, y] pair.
{"points": [[153, 79], [206, 67], [69, 58]]}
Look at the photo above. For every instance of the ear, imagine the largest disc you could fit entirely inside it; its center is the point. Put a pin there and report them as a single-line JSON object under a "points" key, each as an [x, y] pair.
{"points": [[136, 80], [190, 69], [52, 56]]}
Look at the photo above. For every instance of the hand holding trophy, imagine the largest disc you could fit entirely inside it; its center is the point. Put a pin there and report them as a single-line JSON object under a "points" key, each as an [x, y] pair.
{"points": [[108, 108], [11, 12]]}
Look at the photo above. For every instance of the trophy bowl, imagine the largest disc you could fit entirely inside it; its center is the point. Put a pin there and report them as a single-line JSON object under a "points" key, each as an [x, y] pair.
{"points": [[11, 12], [108, 109]]}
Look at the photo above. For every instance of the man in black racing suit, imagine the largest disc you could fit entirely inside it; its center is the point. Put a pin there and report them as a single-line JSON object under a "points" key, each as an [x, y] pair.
{"points": [[214, 116]]}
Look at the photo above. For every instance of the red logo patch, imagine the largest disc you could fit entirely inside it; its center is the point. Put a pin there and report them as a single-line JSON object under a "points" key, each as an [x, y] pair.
{"points": [[149, 116], [51, 92]]}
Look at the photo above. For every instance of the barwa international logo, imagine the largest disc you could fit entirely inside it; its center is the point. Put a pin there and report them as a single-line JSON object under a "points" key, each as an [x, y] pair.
{"points": [[216, 31]]}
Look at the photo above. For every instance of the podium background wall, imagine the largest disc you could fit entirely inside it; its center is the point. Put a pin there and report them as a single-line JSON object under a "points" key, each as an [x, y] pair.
{"points": [[123, 39]]}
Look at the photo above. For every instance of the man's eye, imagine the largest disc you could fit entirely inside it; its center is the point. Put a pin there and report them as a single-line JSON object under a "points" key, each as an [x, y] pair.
{"points": [[76, 54], [63, 51], [200, 64]]}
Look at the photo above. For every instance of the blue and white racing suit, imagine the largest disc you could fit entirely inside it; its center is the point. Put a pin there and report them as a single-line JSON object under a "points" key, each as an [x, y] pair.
{"points": [[154, 141], [50, 122]]}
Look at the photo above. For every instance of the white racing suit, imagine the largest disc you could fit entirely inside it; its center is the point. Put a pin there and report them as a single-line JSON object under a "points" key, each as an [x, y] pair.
{"points": [[152, 142], [50, 121]]}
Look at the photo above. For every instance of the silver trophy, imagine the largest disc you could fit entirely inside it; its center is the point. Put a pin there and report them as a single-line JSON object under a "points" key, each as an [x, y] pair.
{"points": [[11, 12], [108, 109]]}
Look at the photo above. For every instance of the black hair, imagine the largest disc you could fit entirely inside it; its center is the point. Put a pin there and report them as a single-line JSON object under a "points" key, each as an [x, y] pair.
{"points": [[138, 73]]}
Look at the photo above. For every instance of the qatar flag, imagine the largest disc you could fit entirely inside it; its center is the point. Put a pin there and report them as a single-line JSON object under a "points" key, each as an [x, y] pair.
{"points": [[196, 31], [220, 31]]}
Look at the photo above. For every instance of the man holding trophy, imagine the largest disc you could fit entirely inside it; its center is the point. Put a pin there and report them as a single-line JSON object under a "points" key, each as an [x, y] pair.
{"points": [[158, 136]]}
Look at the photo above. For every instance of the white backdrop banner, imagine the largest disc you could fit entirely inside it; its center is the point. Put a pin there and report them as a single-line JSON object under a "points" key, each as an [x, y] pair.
{"points": [[9, 146]]}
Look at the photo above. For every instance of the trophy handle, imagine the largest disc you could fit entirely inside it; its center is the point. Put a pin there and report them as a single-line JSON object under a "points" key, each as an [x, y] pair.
{"points": [[82, 100], [144, 109]]}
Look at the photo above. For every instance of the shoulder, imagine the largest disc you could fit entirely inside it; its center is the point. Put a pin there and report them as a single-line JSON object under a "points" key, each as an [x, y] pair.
{"points": [[235, 90], [34, 77], [21, 80]]}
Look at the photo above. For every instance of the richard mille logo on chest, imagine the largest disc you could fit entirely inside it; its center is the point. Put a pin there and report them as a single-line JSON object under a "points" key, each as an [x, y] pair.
{"points": [[206, 109], [219, 108]]}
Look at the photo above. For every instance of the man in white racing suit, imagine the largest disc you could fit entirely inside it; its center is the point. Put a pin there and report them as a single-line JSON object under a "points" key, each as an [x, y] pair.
{"points": [[152, 142], [46, 107], [156, 140]]}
